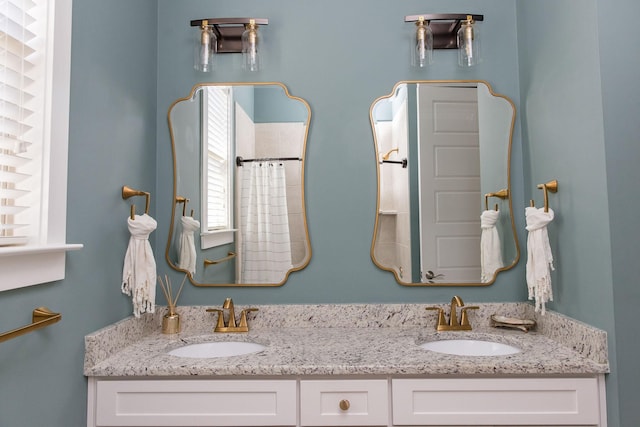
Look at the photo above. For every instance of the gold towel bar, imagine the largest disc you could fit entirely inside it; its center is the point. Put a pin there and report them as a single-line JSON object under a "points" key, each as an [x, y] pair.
{"points": [[130, 192], [40, 318], [229, 256]]}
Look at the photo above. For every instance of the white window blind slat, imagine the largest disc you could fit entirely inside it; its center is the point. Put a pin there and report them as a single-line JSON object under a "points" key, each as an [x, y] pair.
{"points": [[23, 34]]}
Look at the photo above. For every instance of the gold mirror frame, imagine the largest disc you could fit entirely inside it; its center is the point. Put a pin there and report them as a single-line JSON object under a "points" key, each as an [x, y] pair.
{"points": [[378, 171], [177, 198]]}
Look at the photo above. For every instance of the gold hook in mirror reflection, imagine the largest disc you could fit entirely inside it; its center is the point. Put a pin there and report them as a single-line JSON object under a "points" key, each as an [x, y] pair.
{"points": [[184, 201]]}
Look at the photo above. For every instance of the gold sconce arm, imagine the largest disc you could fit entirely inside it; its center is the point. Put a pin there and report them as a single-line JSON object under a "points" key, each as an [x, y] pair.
{"points": [[208, 262], [40, 318]]}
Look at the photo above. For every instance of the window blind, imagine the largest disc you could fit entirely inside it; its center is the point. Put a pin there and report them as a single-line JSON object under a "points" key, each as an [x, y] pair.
{"points": [[22, 71], [217, 137]]}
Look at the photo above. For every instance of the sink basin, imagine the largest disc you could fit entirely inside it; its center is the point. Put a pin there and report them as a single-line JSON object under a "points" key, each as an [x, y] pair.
{"points": [[217, 349], [465, 347]]}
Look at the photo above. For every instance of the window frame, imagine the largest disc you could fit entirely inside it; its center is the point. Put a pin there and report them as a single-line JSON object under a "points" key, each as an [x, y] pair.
{"points": [[216, 237], [44, 262]]}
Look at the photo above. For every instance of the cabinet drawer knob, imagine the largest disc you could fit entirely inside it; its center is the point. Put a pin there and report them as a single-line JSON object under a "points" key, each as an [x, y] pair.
{"points": [[344, 404]]}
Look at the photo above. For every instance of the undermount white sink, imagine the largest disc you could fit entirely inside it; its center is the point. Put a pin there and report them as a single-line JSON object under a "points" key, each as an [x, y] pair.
{"points": [[217, 349], [468, 347]]}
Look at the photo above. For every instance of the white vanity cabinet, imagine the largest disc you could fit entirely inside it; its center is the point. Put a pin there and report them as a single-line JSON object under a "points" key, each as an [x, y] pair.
{"points": [[346, 401]]}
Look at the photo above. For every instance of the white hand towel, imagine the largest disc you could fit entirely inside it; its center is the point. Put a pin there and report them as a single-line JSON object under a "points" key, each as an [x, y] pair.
{"points": [[490, 245], [139, 273], [187, 249], [539, 257]]}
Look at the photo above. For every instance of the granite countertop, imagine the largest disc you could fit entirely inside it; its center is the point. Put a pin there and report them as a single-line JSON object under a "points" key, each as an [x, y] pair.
{"points": [[346, 340]]}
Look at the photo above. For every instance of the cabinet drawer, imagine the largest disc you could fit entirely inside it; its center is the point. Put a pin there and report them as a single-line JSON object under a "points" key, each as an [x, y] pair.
{"points": [[196, 403], [364, 403], [502, 401]]}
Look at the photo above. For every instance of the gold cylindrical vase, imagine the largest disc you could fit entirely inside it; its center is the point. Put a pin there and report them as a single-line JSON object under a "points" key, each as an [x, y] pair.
{"points": [[171, 323]]}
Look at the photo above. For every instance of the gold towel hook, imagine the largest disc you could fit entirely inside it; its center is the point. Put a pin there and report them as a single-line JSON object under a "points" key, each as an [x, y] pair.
{"points": [[501, 194], [128, 192], [546, 187]]}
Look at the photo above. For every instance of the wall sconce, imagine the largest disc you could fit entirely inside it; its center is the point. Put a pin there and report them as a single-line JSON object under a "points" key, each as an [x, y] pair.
{"points": [[445, 31], [228, 35]]}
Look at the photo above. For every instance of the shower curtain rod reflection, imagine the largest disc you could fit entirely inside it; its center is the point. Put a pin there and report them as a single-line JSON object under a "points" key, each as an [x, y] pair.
{"points": [[240, 160]]}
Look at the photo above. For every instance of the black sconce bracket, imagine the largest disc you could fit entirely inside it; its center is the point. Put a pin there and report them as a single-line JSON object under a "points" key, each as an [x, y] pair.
{"points": [[444, 27], [228, 31]]}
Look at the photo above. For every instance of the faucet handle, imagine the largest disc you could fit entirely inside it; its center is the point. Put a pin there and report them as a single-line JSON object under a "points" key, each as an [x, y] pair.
{"points": [[220, 323], [243, 317], [464, 320], [441, 319]]}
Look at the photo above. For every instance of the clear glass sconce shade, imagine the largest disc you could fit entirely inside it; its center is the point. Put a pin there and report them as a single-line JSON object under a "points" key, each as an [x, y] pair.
{"points": [[422, 46], [251, 53], [205, 49], [468, 44]]}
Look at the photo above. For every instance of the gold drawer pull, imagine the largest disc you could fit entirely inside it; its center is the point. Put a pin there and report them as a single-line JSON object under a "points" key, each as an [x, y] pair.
{"points": [[344, 404]]}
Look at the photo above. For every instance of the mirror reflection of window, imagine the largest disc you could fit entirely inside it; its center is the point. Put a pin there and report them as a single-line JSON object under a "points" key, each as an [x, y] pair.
{"points": [[217, 134]]}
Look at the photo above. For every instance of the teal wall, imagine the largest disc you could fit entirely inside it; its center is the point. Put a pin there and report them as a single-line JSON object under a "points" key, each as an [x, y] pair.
{"points": [[111, 143], [340, 78], [620, 68], [132, 59], [563, 134]]}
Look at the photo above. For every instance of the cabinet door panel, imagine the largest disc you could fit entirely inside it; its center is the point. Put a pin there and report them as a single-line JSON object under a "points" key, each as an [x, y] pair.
{"points": [[504, 401], [196, 403]]}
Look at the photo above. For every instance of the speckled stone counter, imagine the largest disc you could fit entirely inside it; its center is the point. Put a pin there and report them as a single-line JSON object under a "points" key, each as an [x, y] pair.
{"points": [[365, 339]]}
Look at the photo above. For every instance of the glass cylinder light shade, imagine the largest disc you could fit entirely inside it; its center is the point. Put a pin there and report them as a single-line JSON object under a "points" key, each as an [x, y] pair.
{"points": [[468, 44], [422, 46], [251, 54], [205, 49]]}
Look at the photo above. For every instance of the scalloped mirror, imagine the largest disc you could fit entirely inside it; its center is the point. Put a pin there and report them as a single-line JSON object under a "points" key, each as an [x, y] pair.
{"points": [[239, 215], [444, 215]]}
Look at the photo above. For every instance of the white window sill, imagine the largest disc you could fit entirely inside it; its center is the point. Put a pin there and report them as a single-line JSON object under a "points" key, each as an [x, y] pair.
{"points": [[22, 266], [216, 238]]}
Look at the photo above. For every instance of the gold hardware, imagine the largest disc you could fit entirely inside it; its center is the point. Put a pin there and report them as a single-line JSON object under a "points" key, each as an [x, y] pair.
{"points": [[231, 326], [130, 192], [502, 194], [388, 153], [344, 404], [454, 324], [208, 262], [40, 318], [171, 323], [546, 187]]}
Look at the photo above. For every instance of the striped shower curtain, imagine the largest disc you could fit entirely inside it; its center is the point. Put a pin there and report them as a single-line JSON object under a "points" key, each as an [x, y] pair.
{"points": [[265, 243]]}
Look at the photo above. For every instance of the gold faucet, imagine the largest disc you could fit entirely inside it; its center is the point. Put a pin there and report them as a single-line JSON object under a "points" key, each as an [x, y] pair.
{"points": [[454, 324], [231, 325]]}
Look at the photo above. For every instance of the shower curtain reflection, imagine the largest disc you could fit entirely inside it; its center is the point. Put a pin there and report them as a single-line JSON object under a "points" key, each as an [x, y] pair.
{"points": [[264, 240]]}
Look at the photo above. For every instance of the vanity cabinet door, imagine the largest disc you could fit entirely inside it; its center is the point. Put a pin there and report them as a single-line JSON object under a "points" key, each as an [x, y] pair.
{"points": [[344, 403], [195, 403], [496, 401]]}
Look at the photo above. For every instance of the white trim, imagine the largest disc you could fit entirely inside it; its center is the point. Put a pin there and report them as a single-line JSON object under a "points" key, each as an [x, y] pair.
{"points": [[211, 239], [39, 265]]}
